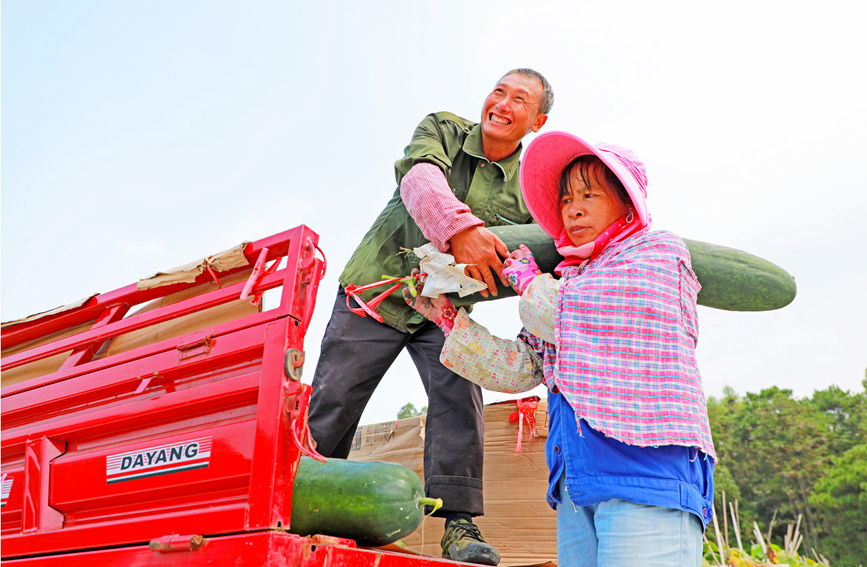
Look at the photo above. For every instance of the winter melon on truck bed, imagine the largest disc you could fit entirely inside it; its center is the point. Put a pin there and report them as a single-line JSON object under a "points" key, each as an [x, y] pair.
{"points": [[374, 503]]}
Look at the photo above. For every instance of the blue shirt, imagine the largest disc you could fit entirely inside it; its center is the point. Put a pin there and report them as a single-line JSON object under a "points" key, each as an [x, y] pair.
{"points": [[600, 468]]}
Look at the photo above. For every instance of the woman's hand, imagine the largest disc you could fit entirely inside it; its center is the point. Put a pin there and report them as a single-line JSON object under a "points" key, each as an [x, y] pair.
{"points": [[440, 310], [520, 267]]}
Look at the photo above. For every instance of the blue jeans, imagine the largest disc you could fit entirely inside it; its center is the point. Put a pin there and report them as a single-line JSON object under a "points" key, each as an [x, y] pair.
{"points": [[622, 534]]}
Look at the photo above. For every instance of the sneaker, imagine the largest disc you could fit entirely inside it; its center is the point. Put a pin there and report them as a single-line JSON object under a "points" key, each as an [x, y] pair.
{"points": [[463, 541]]}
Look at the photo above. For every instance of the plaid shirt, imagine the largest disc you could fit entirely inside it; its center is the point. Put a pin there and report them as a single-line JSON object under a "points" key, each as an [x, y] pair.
{"points": [[625, 333]]}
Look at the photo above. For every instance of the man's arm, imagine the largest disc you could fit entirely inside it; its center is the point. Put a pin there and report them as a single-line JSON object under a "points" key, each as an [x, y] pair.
{"points": [[470, 243], [432, 205], [449, 224]]}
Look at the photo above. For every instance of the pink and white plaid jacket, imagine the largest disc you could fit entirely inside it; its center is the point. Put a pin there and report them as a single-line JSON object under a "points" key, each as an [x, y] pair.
{"points": [[616, 335], [625, 334]]}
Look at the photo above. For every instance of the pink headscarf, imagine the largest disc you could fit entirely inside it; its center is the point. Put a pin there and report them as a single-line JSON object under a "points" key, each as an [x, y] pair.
{"points": [[543, 164], [620, 229]]}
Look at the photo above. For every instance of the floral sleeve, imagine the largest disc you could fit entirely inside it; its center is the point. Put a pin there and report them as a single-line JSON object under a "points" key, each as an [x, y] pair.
{"points": [[494, 364], [538, 307]]}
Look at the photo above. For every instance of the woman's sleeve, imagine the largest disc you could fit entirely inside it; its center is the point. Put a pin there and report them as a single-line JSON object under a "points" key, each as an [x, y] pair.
{"points": [[538, 307], [494, 364]]}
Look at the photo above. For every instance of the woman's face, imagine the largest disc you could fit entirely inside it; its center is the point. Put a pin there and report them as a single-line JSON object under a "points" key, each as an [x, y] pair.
{"points": [[589, 210]]}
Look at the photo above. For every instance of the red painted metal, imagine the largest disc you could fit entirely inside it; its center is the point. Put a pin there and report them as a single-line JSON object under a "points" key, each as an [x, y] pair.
{"points": [[85, 354], [278, 247], [261, 549], [177, 543], [259, 270], [167, 313], [108, 460]]}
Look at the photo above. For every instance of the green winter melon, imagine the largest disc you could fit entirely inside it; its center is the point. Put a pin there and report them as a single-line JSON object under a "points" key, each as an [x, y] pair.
{"points": [[374, 503], [737, 281], [730, 279]]}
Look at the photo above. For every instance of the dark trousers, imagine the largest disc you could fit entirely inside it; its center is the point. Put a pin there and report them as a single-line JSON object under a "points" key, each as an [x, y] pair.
{"points": [[356, 353]]}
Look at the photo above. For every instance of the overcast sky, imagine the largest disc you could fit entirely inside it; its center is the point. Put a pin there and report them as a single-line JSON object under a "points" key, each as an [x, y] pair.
{"points": [[138, 136]]}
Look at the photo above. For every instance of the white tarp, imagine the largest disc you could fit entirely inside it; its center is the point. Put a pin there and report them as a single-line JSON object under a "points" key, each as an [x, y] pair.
{"points": [[443, 275]]}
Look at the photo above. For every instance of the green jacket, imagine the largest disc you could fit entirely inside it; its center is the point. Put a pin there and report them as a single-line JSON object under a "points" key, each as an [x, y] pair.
{"points": [[491, 189]]}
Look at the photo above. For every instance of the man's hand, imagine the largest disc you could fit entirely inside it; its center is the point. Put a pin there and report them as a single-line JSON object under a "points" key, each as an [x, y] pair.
{"points": [[479, 247]]}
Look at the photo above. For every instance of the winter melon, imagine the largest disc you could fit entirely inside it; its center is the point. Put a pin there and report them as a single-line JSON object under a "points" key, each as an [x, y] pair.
{"points": [[730, 279], [374, 503]]}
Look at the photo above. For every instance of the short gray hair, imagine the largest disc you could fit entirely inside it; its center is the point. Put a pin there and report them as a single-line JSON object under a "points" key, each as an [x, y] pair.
{"points": [[547, 99]]}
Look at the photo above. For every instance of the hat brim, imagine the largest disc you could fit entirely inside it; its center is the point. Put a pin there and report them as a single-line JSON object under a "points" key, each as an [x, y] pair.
{"points": [[544, 161]]}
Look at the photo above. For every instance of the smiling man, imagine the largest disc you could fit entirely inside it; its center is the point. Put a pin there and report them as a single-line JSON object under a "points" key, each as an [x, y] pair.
{"points": [[456, 178]]}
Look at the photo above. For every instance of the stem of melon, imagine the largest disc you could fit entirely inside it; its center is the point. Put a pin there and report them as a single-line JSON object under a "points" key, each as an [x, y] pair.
{"points": [[437, 503]]}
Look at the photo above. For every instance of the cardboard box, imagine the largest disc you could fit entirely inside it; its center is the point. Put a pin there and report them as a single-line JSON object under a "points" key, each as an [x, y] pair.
{"points": [[517, 520]]}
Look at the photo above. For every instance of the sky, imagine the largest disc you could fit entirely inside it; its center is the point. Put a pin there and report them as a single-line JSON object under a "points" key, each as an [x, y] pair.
{"points": [[139, 136]]}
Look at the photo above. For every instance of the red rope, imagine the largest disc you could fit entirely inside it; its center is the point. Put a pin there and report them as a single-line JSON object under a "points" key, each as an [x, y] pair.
{"points": [[526, 412]]}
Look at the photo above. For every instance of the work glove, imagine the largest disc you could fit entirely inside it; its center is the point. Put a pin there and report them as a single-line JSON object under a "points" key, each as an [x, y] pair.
{"points": [[520, 268], [440, 310]]}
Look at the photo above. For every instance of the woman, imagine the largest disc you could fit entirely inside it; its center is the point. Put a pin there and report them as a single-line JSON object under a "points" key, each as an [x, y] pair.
{"points": [[629, 447]]}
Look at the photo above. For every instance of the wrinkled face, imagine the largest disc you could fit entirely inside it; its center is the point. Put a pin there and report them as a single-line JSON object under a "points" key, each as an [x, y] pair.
{"points": [[589, 210], [511, 111]]}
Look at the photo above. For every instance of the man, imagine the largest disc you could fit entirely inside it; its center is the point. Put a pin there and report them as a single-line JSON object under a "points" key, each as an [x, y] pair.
{"points": [[455, 178]]}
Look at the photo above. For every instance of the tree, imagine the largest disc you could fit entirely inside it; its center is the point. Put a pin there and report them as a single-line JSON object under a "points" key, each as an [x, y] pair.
{"points": [[840, 499], [409, 411], [721, 414], [723, 481], [845, 417], [778, 450], [789, 457]]}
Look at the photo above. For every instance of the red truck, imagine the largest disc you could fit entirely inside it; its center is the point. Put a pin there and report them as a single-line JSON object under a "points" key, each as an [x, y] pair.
{"points": [[162, 423]]}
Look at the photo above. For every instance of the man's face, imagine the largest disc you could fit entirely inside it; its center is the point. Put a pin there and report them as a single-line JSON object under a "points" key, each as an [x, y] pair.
{"points": [[511, 111]]}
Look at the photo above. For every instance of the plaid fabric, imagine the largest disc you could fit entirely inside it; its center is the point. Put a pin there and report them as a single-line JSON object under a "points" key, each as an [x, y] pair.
{"points": [[432, 205], [626, 332]]}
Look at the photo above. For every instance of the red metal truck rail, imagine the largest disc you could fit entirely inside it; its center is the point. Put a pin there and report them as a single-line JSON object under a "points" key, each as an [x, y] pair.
{"points": [[176, 450]]}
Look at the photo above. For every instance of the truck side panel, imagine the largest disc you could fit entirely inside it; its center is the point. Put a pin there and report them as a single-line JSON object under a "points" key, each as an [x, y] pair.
{"points": [[188, 435]]}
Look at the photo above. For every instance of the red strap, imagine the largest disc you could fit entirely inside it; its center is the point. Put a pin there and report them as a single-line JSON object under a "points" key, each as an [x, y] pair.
{"points": [[300, 430], [526, 411], [370, 307]]}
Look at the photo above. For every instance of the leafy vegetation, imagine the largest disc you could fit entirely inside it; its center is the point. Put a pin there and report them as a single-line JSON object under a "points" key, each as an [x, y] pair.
{"points": [[409, 411], [790, 469]]}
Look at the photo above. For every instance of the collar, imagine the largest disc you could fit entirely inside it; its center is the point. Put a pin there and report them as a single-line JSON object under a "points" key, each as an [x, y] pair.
{"points": [[473, 145]]}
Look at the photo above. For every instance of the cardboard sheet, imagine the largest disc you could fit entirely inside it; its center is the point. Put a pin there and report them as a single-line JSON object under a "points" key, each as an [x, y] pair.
{"points": [[55, 311], [186, 324], [517, 520], [219, 262], [40, 367]]}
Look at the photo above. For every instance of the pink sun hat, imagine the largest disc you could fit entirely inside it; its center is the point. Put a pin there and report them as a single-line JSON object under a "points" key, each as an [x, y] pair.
{"points": [[548, 155]]}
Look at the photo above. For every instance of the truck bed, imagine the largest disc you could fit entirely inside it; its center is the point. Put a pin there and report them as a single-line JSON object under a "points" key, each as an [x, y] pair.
{"points": [[162, 423]]}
